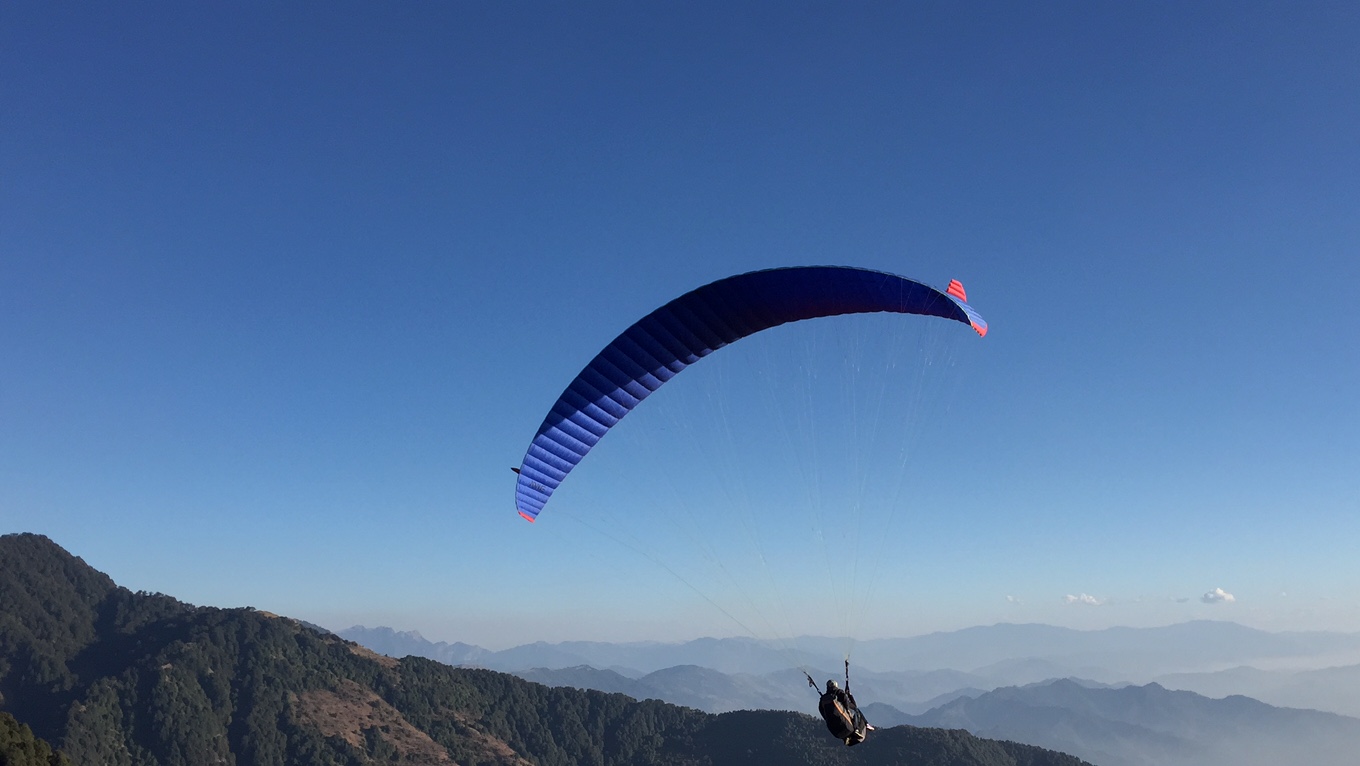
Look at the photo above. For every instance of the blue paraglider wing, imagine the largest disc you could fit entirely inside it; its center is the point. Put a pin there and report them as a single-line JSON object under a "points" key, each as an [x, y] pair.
{"points": [[696, 324]]}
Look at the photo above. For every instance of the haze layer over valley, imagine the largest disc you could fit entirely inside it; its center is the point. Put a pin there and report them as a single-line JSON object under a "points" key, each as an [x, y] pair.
{"points": [[1109, 696]]}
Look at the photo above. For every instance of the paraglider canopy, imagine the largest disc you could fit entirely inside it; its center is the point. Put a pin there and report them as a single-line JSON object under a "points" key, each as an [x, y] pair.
{"points": [[666, 341]]}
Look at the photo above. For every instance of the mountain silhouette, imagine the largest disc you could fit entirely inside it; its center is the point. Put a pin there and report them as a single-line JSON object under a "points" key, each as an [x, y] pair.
{"points": [[110, 676]]}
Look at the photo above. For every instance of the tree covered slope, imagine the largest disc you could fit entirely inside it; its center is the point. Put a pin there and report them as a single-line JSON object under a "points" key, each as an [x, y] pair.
{"points": [[136, 679]]}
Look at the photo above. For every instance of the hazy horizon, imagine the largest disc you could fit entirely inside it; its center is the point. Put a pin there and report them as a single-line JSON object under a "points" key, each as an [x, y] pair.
{"points": [[1349, 657]]}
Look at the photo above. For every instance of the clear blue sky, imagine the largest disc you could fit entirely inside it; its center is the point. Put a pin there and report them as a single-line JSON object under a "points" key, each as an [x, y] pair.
{"points": [[285, 291]]}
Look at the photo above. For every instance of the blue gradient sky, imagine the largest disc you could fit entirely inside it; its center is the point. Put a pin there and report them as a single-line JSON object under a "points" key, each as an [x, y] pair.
{"points": [[284, 291]]}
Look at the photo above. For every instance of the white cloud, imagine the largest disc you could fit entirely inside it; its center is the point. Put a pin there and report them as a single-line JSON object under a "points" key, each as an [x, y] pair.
{"points": [[1084, 598], [1217, 596], [1013, 600]]}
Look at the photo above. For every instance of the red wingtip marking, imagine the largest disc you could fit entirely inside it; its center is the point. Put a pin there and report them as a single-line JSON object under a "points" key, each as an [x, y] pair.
{"points": [[981, 331], [956, 290], [527, 517]]}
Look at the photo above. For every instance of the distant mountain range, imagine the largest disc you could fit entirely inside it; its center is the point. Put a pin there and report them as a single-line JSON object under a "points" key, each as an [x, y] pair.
{"points": [[1152, 726], [109, 676], [1335, 689], [410, 643], [1211, 658], [1111, 724]]}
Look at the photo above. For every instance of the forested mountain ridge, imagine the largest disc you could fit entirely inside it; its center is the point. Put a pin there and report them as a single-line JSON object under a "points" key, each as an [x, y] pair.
{"points": [[136, 679], [18, 746]]}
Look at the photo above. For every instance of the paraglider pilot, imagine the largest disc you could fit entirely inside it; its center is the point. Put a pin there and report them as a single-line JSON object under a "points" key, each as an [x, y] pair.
{"points": [[843, 717]]}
